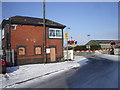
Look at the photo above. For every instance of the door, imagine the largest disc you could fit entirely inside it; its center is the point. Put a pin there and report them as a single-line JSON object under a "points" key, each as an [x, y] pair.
{"points": [[52, 55]]}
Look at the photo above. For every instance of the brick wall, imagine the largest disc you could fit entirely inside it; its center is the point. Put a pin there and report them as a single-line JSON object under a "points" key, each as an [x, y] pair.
{"points": [[55, 42], [29, 36]]}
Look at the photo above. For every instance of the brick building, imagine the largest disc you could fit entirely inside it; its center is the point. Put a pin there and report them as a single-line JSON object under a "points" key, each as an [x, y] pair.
{"points": [[23, 40]]}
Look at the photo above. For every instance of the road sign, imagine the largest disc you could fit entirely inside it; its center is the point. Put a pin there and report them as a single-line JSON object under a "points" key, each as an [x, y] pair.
{"points": [[72, 43]]}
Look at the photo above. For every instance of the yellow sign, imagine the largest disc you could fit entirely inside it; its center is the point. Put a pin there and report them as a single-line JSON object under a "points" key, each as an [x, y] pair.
{"points": [[66, 35]]}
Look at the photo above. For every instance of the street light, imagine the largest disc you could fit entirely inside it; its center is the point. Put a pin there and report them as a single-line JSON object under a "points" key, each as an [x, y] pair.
{"points": [[89, 40], [67, 40]]}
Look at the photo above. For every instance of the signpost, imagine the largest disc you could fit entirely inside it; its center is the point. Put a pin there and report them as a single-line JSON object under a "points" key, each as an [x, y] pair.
{"points": [[72, 43], [113, 44]]}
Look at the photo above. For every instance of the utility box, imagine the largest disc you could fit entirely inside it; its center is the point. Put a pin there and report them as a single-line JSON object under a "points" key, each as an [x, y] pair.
{"points": [[117, 51], [70, 55]]}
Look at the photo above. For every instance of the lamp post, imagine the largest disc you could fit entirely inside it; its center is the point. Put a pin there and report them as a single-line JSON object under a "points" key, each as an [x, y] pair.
{"points": [[89, 43], [67, 40]]}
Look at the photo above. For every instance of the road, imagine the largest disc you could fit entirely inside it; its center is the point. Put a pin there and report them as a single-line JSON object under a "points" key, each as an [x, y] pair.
{"points": [[97, 73]]}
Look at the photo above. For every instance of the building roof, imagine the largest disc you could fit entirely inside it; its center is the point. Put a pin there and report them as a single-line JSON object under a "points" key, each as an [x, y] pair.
{"points": [[30, 21], [97, 42]]}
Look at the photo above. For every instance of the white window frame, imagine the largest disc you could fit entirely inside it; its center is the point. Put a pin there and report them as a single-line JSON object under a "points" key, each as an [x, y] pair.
{"points": [[14, 26], [55, 33]]}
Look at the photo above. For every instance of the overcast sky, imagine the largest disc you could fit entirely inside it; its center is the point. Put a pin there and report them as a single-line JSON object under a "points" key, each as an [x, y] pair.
{"points": [[99, 19]]}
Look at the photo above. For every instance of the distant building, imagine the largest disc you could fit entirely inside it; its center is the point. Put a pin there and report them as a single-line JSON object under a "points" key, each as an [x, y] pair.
{"points": [[23, 40], [105, 44]]}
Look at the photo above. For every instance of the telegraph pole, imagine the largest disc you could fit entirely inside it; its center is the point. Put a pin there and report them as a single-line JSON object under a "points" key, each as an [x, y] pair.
{"points": [[44, 26]]}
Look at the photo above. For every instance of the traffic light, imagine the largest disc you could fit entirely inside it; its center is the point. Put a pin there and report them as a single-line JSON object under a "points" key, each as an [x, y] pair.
{"points": [[75, 42], [112, 43], [66, 35], [70, 42]]}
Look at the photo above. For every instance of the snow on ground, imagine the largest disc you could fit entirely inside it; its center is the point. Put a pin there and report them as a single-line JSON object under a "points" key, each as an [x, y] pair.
{"points": [[106, 56], [26, 72], [18, 74]]}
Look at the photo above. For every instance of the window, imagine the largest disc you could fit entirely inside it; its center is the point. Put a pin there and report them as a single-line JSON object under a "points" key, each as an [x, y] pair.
{"points": [[21, 51], [13, 27], [38, 50], [52, 33], [58, 33], [55, 33]]}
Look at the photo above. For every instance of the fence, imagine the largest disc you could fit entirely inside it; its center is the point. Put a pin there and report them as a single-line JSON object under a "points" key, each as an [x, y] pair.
{"points": [[86, 52]]}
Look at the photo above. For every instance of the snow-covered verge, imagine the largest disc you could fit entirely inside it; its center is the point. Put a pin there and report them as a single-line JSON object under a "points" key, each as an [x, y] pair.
{"points": [[19, 74], [106, 56]]}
